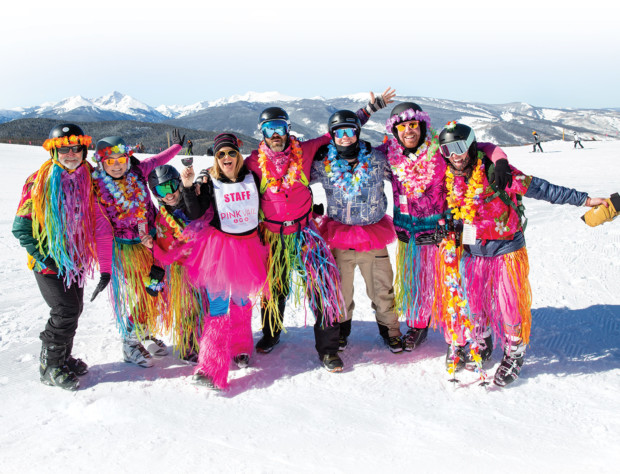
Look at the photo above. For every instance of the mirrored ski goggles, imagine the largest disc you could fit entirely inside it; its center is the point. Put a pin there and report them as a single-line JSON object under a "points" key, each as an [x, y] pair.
{"points": [[169, 187], [456, 148], [401, 127], [231, 153], [341, 132], [63, 150], [120, 159], [273, 127]]}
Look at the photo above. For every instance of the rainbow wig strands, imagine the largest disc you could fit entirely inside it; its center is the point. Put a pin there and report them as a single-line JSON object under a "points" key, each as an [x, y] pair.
{"points": [[63, 219], [415, 281], [499, 293], [185, 308], [318, 278], [131, 262]]}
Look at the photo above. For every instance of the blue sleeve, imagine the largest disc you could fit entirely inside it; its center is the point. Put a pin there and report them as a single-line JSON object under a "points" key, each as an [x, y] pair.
{"points": [[545, 191]]}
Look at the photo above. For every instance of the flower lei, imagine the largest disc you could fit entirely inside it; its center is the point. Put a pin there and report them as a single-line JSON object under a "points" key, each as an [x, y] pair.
{"points": [[128, 195], [464, 201], [111, 150], [339, 172], [414, 174], [177, 230], [294, 168], [66, 141]]}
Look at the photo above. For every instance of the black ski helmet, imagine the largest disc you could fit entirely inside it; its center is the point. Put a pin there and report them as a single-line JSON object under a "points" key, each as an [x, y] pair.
{"points": [[67, 130], [454, 132], [162, 174], [344, 119], [396, 118], [273, 113]]}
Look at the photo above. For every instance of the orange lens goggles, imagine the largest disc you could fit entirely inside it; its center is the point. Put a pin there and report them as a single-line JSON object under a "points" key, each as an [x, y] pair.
{"points": [[401, 127]]}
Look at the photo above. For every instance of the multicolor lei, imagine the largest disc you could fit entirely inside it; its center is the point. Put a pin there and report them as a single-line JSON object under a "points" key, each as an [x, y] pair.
{"points": [[128, 195], [177, 230], [465, 199], [112, 150], [339, 171], [294, 170], [415, 174]]}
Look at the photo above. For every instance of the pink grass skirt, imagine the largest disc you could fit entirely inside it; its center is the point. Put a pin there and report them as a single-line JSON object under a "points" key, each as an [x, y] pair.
{"points": [[361, 238]]}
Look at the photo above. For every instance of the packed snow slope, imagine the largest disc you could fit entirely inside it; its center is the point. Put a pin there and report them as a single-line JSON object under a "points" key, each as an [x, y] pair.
{"points": [[385, 412]]}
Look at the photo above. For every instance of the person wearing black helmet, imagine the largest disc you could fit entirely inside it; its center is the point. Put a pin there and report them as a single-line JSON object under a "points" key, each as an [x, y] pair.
{"points": [[488, 232], [185, 306], [357, 228], [419, 203], [283, 164], [125, 219], [60, 248]]}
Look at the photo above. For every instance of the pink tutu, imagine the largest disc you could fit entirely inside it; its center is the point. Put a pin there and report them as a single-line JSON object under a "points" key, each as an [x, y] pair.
{"points": [[224, 263], [361, 238]]}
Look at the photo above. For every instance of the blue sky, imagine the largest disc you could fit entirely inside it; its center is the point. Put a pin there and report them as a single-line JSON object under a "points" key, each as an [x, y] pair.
{"points": [[561, 55]]}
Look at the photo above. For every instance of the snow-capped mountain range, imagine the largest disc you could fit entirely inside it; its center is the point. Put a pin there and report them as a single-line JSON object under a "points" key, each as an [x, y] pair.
{"points": [[506, 124]]}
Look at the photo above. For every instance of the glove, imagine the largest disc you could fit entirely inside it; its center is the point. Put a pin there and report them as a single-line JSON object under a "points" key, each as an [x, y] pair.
{"points": [[103, 282], [318, 209], [402, 236], [154, 282], [378, 105], [50, 264], [177, 139], [502, 175], [600, 214]]}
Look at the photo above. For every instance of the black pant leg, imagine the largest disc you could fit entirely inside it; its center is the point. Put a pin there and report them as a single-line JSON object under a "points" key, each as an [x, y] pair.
{"points": [[326, 337], [66, 306]]}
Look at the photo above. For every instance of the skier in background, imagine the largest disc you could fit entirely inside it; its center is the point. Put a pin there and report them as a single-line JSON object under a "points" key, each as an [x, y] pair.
{"points": [[577, 140], [536, 142], [190, 147]]}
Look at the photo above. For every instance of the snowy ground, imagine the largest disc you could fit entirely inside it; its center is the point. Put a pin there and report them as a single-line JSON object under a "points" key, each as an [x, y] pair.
{"points": [[385, 412]]}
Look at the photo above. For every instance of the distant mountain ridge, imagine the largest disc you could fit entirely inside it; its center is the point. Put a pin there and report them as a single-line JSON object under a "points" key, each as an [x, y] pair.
{"points": [[505, 124]]}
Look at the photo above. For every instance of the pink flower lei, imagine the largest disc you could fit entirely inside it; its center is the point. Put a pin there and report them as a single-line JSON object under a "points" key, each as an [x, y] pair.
{"points": [[415, 173]]}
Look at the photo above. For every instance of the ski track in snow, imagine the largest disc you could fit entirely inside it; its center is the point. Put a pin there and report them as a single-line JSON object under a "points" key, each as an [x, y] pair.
{"points": [[284, 413]]}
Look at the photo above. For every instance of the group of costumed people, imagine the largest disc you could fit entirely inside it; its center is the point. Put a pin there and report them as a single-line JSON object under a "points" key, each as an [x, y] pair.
{"points": [[245, 231]]}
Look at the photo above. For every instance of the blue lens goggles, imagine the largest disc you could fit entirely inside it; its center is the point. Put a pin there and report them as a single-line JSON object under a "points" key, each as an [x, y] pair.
{"points": [[458, 147], [169, 187], [341, 132], [273, 127]]}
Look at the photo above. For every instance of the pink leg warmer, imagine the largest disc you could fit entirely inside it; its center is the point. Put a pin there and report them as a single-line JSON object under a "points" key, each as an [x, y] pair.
{"points": [[214, 356], [241, 329]]}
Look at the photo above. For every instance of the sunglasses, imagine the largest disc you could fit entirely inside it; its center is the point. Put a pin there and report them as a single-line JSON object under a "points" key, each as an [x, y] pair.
{"points": [[66, 149], [401, 127], [272, 127], [341, 132], [231, 153], [120, 159], [456, 148], [169, 187]]}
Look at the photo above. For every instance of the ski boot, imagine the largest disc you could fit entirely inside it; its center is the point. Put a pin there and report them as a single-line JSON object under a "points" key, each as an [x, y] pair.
{"points": [[53, 370], [242, 360], [485, 351], [77, 366], [510, 367], [266, 344], [331, 362], [414, 338], [394, 343], [456, 359], [156, 347], [134, 352], [200, 378], [342, 343]]}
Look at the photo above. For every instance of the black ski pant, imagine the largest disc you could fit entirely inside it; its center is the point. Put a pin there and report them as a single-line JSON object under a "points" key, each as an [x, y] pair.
{"points": [[66, 306]]}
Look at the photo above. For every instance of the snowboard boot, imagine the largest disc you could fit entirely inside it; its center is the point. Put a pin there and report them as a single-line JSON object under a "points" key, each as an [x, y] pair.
{"points": [[414, 338], [485, 351], [53, 370], [456, 360], [510, 367], [331, 362], [134, 352], [242, 360]]}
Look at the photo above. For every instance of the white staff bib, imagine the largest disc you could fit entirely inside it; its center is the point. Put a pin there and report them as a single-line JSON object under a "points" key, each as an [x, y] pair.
{"points": [[237, 205]]}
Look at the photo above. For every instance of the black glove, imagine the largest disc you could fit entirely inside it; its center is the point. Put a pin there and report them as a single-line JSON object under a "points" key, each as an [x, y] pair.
{"points": [[103, 282], [378, 105], [154, 282], [402, 236], [318, 209], [177, 139], [50, 264], [501, 176]]}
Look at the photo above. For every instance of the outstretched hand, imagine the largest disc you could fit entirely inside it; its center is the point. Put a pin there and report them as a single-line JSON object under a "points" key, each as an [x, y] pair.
{"points": [[177, 139], [379, 102], [593, 202]]}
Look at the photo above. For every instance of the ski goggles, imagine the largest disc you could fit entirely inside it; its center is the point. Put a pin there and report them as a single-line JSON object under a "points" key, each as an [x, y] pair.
{"points": [[456, 148], [341, 132], [401, 127], [121, 159], [169, 187], [63, 150], [273, 127], [221, 154]]}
